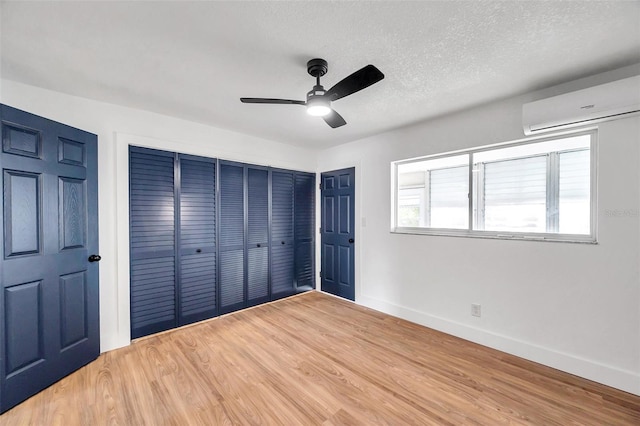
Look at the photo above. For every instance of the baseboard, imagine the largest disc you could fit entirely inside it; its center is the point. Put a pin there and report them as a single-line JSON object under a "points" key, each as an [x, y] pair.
{"points": [[604, 374]]}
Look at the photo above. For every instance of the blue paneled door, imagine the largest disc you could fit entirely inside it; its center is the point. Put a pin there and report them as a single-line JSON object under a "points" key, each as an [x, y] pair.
{"points": [[337, 232], [49, 322]]}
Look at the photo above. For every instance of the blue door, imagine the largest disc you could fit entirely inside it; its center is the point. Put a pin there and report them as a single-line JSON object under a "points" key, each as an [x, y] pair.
{"points": [[172, 201], [305, 231], [152, 229], [337, 232], [197, 239], [49, 322], [282, 234], [257, 235], [232, 237]]}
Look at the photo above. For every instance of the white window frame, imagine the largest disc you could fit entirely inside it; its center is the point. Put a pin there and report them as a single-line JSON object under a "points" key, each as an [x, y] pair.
{"points": [[591, 238]]}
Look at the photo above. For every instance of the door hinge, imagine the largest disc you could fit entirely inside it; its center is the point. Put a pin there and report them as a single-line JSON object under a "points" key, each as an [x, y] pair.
{"points": [[320, 230], [320, 274], [320, 186]]}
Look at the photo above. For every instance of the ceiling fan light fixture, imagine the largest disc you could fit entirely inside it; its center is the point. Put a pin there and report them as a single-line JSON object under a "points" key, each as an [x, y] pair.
{"points": [[318, 107], [318, 110]]}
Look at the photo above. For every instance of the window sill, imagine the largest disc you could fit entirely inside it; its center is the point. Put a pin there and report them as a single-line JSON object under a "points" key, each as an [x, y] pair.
{"points": [[554, 238]]}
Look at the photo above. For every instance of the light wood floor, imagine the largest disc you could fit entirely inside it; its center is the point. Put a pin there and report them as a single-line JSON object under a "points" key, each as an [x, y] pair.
{"points": [[314, 359]]}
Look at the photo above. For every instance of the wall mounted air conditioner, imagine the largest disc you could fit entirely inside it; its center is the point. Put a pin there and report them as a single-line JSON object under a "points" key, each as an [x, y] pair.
{"points": [[609, 101]]}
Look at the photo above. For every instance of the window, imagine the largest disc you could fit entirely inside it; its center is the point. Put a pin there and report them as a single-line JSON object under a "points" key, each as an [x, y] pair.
{"points": [[434, 193], [537, 190]]}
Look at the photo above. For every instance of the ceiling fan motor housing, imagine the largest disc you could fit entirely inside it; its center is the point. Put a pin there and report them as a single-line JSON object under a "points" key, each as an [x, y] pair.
{"points": [[317, 67]]}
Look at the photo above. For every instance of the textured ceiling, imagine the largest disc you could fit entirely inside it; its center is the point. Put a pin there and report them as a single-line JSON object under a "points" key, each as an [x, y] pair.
{"points": [[193, 60]]}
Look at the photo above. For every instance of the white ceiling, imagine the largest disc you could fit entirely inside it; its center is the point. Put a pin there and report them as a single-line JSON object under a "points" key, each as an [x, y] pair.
{"points": [[193, 60]]}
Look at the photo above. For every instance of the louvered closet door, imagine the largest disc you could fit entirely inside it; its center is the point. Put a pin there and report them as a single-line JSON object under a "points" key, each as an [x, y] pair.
{"points": [[152, 236], [257, 235], [231, 264], [197, 266], [282, 260], [305, 197]]}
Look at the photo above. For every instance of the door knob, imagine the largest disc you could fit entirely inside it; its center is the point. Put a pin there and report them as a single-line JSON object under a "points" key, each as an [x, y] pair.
{"points": [[351, 240], [95, 258]]}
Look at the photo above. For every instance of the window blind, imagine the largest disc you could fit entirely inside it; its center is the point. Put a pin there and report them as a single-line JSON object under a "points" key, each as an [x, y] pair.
{"points": [[449, 197], [515, 195]]}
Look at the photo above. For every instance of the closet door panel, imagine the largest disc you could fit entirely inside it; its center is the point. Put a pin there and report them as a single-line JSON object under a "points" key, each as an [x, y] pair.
{"points": [[282, 234], [282, 271], [152, 241], [257, 235], [305, 197], [232, 237], [258, 275], [197, 277], [231, 280]]}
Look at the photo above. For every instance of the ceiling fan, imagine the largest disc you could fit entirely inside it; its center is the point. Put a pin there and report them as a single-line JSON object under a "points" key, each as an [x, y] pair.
{"points": [[319, 100]]}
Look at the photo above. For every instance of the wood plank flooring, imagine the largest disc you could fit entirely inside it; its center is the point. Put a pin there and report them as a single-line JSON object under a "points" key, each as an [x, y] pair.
{"points": [[317, 360]]}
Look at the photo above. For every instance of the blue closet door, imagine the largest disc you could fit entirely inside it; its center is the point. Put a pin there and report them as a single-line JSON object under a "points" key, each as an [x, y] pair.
{"points": [[257, 235], [152, 219], [305, 213], [49, 320], [197, 237], [231, 265], [282, 234], [209, 237]]}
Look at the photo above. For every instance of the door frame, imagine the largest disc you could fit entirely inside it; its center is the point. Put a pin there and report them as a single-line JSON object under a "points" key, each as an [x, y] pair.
{"points": [[358, 222]]}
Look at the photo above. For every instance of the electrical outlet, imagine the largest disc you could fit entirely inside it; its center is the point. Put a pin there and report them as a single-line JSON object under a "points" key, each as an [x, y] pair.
{"points": [[476, 310]]}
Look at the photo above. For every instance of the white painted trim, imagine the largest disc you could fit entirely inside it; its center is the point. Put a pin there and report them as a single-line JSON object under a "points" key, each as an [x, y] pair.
{"points": [[122, 231], [621, 379]]}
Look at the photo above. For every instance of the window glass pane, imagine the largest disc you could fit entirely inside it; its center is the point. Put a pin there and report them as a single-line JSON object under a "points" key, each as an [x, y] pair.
{"points": [[410, 207], [575, 190], [449, 199], [433, 193], [515, 195]]}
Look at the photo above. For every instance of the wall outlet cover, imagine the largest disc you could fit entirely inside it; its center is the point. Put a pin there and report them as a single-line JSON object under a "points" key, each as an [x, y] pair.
{"points": [[476, 310]]}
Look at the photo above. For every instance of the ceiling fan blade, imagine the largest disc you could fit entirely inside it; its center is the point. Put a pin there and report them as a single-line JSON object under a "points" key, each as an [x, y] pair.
{"points": [[271, 101], [334, 119], [357, 81]]}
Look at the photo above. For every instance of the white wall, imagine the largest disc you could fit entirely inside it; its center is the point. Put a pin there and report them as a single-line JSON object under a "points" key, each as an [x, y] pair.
{"points": [[117, 127], [575, 307]]}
